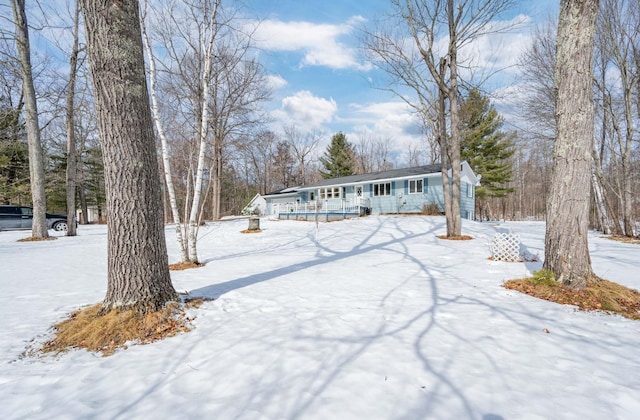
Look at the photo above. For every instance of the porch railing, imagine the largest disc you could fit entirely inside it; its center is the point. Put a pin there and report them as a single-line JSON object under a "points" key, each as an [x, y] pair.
{"points": [[337, 206]]}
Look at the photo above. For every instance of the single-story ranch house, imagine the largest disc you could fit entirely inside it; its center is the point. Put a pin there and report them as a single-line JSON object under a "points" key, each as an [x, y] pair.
{"points": [[406, 190]]}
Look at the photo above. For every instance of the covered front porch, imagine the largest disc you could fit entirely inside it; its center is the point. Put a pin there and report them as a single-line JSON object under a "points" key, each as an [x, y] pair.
{"points": [[322, 210]]}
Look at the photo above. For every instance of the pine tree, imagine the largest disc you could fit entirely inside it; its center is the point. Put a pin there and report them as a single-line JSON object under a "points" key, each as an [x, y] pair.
{"points": [[485, 147], [338, 158], [14, 158]]}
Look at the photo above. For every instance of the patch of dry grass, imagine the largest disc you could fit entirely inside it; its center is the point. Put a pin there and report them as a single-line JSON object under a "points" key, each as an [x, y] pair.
{"points": [[251, 231], [431, 210], [32, 239], [456, 238], [599, 295], [195, 302], [89, 329], [184, 266], [624, 239]]}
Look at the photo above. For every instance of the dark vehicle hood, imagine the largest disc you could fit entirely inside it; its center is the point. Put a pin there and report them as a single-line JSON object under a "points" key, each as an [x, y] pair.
{"points": [[57, 216]]}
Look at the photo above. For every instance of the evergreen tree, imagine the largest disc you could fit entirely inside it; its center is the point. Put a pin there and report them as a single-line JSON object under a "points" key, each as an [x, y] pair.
{"points": [[338, 158], [14, 158], [485, 147]]}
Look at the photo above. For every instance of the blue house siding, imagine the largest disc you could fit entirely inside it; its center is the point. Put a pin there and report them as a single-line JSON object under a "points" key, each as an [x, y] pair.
{"points": [[401, 201], [393, 188], [467, 200], [385, 203]]}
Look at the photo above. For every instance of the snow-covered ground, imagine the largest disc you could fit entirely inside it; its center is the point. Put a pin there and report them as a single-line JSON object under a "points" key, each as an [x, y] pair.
{"points": [[373, 318]]}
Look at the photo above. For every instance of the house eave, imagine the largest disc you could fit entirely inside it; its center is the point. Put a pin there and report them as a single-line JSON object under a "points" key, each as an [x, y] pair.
{"points": [[369, 181]]}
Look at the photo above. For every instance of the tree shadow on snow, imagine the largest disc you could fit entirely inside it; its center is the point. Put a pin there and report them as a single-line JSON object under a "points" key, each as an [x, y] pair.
{"points": [[432, 322]]}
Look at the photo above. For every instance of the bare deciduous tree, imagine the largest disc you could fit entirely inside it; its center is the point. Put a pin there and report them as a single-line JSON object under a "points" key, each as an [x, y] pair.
{"points": [[36, 160], [566, 244], [618, 34], [372, 153], [138, 272], [432, 73], [70, 127], [166, 161], [303, 146]]}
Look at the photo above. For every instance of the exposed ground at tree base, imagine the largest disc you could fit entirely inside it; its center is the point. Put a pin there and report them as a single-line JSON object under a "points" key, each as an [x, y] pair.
{"points": [[88, 329], [456, 237], [33, 239], [624, 239], [601, 295], [184, 266], [251, 231]]}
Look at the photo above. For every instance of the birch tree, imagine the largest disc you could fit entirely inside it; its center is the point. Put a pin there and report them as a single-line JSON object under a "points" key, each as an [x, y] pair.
{"points": [[138, 272], [211, 80], [166, 162], [566, 244], [36, 160]]}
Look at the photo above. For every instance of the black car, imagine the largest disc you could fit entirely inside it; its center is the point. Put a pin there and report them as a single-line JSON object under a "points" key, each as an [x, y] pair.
{"points": [[20, 217]]}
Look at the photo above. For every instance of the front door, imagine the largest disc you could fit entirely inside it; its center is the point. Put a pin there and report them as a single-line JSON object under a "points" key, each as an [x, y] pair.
{"points": [[358, 194]]}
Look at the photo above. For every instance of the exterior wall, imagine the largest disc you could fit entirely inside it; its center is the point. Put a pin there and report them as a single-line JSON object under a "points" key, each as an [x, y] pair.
{"points": [[400, 200], [271, 202], [258, 203], [467, 200]]}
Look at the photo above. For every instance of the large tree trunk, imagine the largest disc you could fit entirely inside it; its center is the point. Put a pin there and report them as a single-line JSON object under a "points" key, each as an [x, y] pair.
{"points": [[138, 272], [71, 132], [566, 246], [36, 161]]}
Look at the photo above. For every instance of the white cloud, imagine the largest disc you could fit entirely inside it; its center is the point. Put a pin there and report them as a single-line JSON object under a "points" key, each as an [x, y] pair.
{"points": [[306, 110], [393, 120], [319, 43], [499, 50], [276, 82]]}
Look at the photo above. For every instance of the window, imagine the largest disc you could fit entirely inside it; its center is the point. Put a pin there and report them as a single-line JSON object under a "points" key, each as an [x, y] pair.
{"points": [[415, 186], [469, 190], [329, 193], [312, 196], [382, 189]]}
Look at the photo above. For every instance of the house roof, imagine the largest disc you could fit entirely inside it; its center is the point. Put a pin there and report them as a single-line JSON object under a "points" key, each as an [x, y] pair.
{"points": [[383, 175], [284, 192], [414, 172]]}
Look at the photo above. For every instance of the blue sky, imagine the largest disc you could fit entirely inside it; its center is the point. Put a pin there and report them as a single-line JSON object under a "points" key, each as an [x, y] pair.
{"points": [[310, 49], [321, 81]]}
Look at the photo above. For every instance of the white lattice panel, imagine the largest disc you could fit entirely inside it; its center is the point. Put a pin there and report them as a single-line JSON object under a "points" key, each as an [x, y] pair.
{"points": [[506, 247]]}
